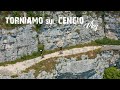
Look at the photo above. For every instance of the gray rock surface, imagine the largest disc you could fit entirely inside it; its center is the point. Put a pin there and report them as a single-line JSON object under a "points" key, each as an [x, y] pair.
{"points": [[17, 43], [81, 69]]}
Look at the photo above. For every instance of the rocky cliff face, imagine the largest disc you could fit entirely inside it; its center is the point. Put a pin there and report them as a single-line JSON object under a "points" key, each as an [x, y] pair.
{"points": [[112, 25], [17, 42], [22, 41], [70, 34], [108, 25]]}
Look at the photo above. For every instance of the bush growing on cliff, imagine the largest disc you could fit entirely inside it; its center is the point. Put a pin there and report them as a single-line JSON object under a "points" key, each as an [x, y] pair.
{"points": [[107, 41], [37, 27], [111, 73], [40, 47]]}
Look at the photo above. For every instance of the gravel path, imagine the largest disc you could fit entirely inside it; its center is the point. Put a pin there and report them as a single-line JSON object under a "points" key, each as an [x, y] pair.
{"points": [[20, 66]]}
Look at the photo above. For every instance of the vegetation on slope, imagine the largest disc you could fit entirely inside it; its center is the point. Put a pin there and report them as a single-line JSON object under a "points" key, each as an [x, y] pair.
{"points": [[111, 73], [107, 41], [46, 65], [23, 58]]}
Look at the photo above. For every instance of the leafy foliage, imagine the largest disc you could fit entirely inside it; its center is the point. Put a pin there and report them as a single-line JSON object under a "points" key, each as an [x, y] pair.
{"points": [[107, 41], [111, 73], [40, 47]]}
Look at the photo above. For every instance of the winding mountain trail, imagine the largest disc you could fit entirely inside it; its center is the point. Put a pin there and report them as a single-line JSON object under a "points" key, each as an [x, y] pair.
{"points": [[16, 68]]}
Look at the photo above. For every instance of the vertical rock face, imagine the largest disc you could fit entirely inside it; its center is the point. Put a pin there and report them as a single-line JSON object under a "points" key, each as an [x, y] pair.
{"points": [[108, 25], [70, 34], [112, 25], [17, 43]]}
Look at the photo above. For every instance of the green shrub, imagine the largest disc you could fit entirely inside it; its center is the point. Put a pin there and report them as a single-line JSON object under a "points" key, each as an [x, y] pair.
{"points": [[107, 41], [40, 47], [37, 27], [111, 73]]}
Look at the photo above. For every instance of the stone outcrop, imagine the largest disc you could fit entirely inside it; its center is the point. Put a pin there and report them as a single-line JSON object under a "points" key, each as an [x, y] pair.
{"points": [[112, 25], [108, 26], [70, 34], [82, 69], [17, 43]]}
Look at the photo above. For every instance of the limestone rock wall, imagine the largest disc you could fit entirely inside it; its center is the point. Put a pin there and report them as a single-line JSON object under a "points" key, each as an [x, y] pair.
{"points": [[108, 25], [112, 25], [17, 43], [69, 34]]}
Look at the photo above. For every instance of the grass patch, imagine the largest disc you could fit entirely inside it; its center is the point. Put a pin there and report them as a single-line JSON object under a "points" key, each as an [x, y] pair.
{"points": [[46, 65], [25, 57], [107, 41], [92, 43]]}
